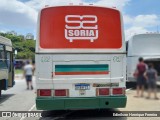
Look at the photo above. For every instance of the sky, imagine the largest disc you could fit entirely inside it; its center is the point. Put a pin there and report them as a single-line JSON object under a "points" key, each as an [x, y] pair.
{"points": [[140, 16]]}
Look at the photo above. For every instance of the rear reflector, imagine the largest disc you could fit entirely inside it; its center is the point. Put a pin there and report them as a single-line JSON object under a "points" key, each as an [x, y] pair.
{"points": [[118, 91], [45, 92], [60, 93], [103, 91]]}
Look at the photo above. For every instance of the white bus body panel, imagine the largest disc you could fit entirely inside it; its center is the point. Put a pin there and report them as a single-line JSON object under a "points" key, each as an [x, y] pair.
{"points": [[142, 45], [44, 79]]}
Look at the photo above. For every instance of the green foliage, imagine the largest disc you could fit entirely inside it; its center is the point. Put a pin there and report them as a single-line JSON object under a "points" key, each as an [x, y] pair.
{"points": [[2, 34], [18, 71], [25, 48], [14, 38]]}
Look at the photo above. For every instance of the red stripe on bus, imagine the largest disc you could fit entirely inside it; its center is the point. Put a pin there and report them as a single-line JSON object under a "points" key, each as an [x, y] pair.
{"points": [[80, 73]]}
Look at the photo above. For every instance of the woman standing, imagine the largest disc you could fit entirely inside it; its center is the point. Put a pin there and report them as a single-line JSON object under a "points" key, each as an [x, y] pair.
{"points": [[151, 77]]}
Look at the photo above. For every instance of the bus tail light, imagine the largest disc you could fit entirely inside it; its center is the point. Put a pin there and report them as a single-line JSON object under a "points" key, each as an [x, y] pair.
{"points": [[118, 91], [103, 91], [61, 93], [44, 92]]}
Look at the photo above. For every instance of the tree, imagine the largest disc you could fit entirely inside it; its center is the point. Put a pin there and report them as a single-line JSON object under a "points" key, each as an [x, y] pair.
{"points": [[25, 48]]}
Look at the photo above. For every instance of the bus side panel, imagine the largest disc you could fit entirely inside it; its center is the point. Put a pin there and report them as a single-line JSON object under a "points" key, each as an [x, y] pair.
{"points": [[11, 81], [6, 64], [3, 74], [3, 79]]}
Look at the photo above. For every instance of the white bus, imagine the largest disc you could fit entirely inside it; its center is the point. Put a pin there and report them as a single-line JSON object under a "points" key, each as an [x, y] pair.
{"points": [[6, 64], [146, 46], [80, 58]]}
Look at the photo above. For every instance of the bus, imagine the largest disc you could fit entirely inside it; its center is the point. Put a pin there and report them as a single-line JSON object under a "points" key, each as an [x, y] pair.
{"points": [[80, 58], [146, 46], [6, 64]]}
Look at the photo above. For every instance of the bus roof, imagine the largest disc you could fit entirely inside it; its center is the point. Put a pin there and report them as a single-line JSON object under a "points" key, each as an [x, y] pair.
{"points": [[5, 41], [80, 29], [144, 44]]}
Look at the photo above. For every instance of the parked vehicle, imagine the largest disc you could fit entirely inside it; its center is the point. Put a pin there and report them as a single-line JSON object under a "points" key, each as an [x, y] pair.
{"points": [[18, 64], [6, 64], [146, 46]]}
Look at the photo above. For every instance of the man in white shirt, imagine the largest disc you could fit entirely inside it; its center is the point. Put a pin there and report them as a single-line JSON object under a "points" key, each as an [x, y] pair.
{"points": [[28, 72]]}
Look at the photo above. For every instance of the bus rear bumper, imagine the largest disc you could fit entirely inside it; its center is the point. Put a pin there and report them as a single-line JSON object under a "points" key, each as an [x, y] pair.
{"points": [[81, 103]]}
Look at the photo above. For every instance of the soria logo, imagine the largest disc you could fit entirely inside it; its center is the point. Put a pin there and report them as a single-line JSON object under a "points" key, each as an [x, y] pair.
{"points": [[81, 27]]}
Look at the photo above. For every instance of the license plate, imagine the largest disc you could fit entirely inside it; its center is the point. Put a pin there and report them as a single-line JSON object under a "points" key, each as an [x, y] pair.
{"points": [[82, 86], [82, 92]]}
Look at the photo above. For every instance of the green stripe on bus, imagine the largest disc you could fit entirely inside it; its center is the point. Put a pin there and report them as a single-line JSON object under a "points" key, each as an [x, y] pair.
{"points": [[81, 68]]}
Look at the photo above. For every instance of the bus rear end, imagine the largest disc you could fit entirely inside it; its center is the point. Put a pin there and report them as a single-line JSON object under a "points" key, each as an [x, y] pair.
{"points": [[80, 58]]}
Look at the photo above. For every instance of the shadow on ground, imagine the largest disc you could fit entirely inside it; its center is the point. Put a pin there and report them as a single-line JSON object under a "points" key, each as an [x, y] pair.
{"points": [[133, 85], [102, 114], [4, 97]]}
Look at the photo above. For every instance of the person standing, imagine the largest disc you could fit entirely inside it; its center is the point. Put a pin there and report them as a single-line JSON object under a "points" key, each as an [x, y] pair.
{"points": [[28, 72], [140, 69], [151, 77]]}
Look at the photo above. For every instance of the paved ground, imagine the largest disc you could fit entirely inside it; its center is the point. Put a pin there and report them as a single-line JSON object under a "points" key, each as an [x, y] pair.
{"points": [[20, 99]]}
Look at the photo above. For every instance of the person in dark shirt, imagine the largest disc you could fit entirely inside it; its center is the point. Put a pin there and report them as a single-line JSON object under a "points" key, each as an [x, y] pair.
{"points": [[141, 68], [151, 77]]}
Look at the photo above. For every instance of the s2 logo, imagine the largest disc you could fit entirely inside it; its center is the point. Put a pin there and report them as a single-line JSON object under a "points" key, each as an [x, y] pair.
{"points": [[90, 19]]}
